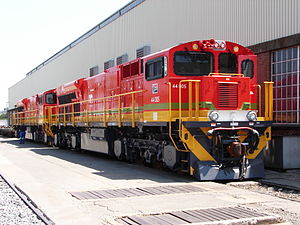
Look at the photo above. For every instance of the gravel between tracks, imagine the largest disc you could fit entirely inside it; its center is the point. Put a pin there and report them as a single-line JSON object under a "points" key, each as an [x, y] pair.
{"points": [[287, 194], [13, 211]]}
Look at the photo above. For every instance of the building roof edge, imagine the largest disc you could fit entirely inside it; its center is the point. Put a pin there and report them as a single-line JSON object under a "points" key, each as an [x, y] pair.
{"points": [[92, 31]]}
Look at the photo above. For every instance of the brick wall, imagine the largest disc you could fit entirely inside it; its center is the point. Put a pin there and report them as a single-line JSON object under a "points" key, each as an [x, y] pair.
{"points": [[263, 72], [263, 67]]}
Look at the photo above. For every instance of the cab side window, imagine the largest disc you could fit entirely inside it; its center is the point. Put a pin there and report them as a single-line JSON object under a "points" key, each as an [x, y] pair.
{"points": [[155, 69], [248, 68], [40, 99], [51, 98]]}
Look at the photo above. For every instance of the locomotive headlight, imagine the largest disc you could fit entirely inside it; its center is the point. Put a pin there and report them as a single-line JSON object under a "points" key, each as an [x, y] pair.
{"points": [[251, 115], [195, 46], [213, 116]]}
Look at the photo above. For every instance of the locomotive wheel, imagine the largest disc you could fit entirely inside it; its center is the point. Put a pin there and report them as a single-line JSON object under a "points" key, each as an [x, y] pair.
{"points": [[73, 142], [170, 156], [55, 141], [45, 138], [119, 150]]}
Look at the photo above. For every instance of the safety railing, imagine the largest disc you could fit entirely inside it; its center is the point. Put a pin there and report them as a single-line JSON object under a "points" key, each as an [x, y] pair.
{"points": [[268, 101], [170, 121], [193, 112], [30, 117], [226, 74], [267, 114], [117, 109], [259, 100]]}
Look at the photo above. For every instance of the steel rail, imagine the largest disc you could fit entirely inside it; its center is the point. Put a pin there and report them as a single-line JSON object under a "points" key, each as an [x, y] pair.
{"points": [[283, 186], [28, 201]]}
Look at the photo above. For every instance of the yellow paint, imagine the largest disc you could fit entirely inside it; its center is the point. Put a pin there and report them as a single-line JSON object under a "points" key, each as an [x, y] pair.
{"points": [[262, 144], [163, 116], [243, 135], [263, 140], [261, 119], [268, 100], [191, 171], [195, 147], [268, 130]]}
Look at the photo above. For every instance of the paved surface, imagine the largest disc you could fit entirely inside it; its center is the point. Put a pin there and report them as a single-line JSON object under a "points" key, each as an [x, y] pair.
{"points": [[49, 175]]}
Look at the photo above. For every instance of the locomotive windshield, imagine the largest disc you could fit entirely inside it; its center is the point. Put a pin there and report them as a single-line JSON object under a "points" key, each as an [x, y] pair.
{"points": [[193, 63], [228, 63]]}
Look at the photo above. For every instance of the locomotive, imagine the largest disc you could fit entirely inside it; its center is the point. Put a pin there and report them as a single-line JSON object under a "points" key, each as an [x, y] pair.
{"points": [[193, 108]]}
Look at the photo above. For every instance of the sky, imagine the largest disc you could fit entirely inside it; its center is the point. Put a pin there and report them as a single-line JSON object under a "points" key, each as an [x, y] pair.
{"points": [[31, 31]]}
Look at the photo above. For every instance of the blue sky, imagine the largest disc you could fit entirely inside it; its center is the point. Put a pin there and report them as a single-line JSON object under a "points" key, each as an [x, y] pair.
{"points": [[33, 30]]}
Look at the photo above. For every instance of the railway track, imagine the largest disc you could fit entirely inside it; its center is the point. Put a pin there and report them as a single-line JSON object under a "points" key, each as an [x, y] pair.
{"points": [[17, 208], [287, 192], [280, 185]]}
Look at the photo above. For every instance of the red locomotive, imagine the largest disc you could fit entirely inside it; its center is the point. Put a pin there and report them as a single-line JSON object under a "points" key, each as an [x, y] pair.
{"points": [[194, 107]]}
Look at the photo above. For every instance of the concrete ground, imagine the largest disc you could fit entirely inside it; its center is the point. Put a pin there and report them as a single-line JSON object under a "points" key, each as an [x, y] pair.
{"points": [[48, 175]]}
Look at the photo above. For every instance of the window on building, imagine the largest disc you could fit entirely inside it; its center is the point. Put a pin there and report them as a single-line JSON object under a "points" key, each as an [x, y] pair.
{"points": [[94, 70], [227, 63], [285, 75], [155, 68]]}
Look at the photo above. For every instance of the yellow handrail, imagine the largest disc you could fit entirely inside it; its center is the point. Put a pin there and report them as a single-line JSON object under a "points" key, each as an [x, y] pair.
{"points": [[104, 116], [190, 97], [197, 99], [190, 101], [29, 117], [65, 114], [170, 120], [119, 111], [259, 99], [73, 116], [69, 117], [226, 74], [133, 111], [268, 100]]}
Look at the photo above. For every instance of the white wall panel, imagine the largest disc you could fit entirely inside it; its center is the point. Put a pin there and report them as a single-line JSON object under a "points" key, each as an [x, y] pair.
{"points": [[161, 24]]}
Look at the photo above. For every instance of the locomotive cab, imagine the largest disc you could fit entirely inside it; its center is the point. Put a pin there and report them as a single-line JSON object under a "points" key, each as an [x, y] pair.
{"points": [[210, 93], [218, 110]]}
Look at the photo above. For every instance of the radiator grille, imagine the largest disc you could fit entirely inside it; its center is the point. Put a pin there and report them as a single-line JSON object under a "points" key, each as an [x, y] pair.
{"points": [[228, 95]]}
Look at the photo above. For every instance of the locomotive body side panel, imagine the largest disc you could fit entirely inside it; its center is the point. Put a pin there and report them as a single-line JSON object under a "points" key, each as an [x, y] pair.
{"points": [[156, 72]]}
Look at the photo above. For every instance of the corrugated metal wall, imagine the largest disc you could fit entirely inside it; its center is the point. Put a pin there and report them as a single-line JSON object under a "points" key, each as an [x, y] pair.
{"points": [[162, 24]]}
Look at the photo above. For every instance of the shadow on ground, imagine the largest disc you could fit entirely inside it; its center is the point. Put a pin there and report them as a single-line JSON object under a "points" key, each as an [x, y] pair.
{"points": [[105, 166]]}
